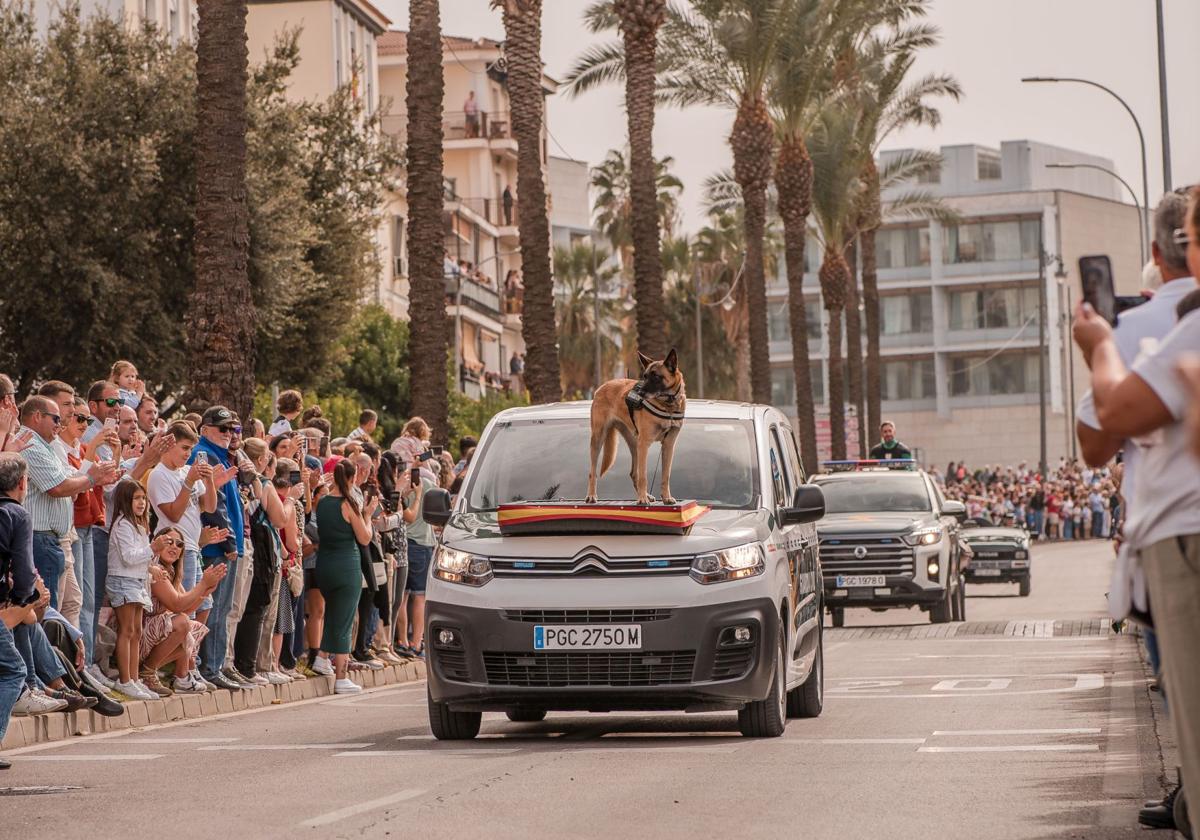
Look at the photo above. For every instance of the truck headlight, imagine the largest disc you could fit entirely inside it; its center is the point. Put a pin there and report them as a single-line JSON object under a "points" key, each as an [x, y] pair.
{"points": [[742, 561], [460, 567], [1020, 555], [924, 536]]}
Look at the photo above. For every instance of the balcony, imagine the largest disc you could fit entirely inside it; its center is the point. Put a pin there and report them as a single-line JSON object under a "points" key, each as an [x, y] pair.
{"points": [[491, 210], [484, 125], [474, 294]]}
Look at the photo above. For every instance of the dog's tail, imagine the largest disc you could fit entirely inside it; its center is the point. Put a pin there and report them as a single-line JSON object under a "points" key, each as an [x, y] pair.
{"points": [[610, 450]]}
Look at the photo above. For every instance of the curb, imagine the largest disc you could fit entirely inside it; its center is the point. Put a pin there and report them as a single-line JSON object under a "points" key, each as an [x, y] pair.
{"points": [[59, 726]]}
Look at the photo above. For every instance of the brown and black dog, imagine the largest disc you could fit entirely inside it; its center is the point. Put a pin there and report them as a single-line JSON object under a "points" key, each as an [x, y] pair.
{"points": [[642, 411]]}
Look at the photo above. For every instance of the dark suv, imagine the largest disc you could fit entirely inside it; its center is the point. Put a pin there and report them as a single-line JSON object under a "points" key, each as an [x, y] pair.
{"points": [[890, 539]]}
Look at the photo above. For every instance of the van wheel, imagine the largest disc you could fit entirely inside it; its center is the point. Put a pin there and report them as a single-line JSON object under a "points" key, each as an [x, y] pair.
{"points": [[960, 600], [839, 616], [523, 714], [767, 718], [448, 725], [1026, 585], [806, 699], [940, 612]]}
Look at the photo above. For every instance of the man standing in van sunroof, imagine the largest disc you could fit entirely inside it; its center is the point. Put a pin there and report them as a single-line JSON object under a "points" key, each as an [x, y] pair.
{"points": [[889, 448]]}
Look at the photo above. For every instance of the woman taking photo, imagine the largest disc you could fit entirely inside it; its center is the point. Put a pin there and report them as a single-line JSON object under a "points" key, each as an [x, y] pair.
{"points": [[342, 527]]}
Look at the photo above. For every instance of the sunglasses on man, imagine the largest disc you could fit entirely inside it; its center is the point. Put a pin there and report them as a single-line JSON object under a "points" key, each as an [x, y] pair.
{"points": [[112, 402], [83, 418], [233, 430], [56, 418]]}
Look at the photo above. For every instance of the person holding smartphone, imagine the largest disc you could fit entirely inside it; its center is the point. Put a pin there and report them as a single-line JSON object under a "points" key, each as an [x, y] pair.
{"points": [[420, 542]]}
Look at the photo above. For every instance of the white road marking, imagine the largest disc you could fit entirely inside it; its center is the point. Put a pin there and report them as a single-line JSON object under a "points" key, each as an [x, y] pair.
{"points": [[1016, 748], [641, 750], [1083, 682], [854, 741], [268, 747], [361, 808], [988, 684], [476, 753], [184, 740], [1080, 731], [111, 757]]}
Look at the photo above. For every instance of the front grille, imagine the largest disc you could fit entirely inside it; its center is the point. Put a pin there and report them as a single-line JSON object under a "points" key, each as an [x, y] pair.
{"points": [[885, 556], [731, 663], [590, 565], [453, 663], [631, 616], [564, 669]]}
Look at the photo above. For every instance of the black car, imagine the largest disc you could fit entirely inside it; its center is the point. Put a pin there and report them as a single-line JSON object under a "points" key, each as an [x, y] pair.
{"points": [[1000, 554], [890, 539]]}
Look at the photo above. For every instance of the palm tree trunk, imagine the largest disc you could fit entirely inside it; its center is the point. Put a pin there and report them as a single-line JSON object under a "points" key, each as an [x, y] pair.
{"points": [[854, 359], [753, 141], [220, 322], [427, 297], [834, 279], [640, 20], [523, 42], [794, 180], [742, 358], [870, 284]]}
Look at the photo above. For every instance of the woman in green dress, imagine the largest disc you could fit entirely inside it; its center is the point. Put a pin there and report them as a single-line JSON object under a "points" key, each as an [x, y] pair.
{"points": [[343, 525]]}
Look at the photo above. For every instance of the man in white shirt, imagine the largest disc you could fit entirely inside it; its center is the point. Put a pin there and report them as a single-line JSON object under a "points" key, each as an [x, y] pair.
{"points": [[367, 421], [1152, 401]]}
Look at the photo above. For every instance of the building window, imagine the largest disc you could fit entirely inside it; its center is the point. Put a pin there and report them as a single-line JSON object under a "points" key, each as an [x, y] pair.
{"points": [[906, 314], [902, 247], [930, 176], [909, 379], [991, 241], [1007, 373], [987, 166], [783, 387], [173, 20], [982, 309], [148, 11], [779, 325]]}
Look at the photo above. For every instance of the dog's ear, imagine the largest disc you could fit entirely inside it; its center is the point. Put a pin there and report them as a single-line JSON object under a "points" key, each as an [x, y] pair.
{"points": [[672, 361], [644, 360]]}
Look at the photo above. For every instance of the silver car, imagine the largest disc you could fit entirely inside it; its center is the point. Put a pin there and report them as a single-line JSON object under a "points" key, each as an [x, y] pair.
{"points": [[726, 617]]}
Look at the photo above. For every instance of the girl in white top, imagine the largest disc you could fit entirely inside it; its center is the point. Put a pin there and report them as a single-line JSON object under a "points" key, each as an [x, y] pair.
{"points": [[129, 554]]}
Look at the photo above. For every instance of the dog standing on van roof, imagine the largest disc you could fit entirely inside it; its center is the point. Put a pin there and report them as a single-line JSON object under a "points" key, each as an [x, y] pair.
{"points": [[641, 411]]}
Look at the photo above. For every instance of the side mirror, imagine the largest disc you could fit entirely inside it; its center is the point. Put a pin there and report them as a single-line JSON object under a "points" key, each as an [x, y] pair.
{"points": [[435, 507], [808, 505], [956, 509]]}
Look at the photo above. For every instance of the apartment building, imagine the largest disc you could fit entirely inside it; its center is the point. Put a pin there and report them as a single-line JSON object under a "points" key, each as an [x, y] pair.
{"points": [[959, 304], [481, 207], [176, 18]]}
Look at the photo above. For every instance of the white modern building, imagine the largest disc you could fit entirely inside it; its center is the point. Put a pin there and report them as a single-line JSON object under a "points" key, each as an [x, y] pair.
{"points": [[959, 304]]}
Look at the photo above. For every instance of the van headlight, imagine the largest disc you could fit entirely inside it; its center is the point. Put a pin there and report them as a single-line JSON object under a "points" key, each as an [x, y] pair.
{"points": [[924, 536], [742, 561], [460, 567]]}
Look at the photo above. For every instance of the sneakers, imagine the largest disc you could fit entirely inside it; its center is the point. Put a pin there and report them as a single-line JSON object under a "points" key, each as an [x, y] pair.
{"points": [[221, 681], [150, 681], [98, 676], [259, 679], [136, 691], [235, 676], [187, 685], [323, 666], [293, 675], [370, 661], [276, 678], [35, 702], [75, 700], [346, 687], [390, 658], [305, 671], [204, 684]]}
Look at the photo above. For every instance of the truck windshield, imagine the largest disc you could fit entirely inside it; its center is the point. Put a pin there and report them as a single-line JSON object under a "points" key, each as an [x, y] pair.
{"points": [[547, 460], [859, 493]]}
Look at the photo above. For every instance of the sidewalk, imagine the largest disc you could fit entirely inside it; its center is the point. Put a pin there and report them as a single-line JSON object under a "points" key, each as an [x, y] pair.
{"points": [[58, 726]]}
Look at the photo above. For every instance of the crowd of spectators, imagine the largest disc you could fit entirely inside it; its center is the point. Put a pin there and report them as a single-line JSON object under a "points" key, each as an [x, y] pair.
{"points": [[1072, 502], [141, 558]]}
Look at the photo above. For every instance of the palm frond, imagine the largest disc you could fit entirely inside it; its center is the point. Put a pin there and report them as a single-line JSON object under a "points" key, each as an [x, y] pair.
{"points": [[920, 204], [599, 64], [600, 16], [906, 165]]}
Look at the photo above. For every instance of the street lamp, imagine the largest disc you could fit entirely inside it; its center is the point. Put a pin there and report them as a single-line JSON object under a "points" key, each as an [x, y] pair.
{"points": [[1137, 125], [1124, 183]]}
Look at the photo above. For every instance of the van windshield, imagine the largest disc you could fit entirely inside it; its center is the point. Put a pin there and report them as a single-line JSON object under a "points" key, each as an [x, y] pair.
{"points": [[547, 460]]}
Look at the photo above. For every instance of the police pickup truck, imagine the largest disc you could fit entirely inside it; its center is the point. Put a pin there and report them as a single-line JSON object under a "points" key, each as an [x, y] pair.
{"points": [[999, 554], [890, 539]]}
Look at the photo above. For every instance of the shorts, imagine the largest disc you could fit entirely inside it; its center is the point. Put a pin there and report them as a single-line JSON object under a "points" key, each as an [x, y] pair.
{"points": [[310, 579], [418, 567], [126, 590]]}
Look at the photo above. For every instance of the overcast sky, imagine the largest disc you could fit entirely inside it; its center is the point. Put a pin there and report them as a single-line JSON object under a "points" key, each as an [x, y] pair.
{"points": [[988, 45]]}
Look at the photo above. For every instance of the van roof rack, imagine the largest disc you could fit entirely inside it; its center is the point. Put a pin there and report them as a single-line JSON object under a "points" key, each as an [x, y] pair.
{"points": [[863, 464]]}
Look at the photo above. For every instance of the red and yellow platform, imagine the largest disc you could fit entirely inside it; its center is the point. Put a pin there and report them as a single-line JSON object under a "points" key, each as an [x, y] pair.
{"points": [[546, 518]]}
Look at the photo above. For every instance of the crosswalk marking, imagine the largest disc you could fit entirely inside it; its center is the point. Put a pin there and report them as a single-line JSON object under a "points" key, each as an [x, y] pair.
{"points": [[1079, 731], [94, 757], [361, 808], [1015, 748], [265, 747]]}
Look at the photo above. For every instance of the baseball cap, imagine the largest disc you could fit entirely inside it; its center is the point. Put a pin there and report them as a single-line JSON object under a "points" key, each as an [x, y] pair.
{"points": [[217, 415]]}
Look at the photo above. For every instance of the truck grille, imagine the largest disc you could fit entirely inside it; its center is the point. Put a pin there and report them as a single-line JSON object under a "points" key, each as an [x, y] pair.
{"points": [[589, 668], [731, 663], [631, 616], [885, 556], [591, 565], [453, 663]]}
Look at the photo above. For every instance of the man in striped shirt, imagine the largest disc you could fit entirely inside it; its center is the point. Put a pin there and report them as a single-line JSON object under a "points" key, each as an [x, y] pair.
{"points": [[52, 489]]}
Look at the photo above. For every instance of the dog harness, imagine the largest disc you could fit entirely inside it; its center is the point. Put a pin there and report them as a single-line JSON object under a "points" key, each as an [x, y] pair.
{"points": [[636, 400]]}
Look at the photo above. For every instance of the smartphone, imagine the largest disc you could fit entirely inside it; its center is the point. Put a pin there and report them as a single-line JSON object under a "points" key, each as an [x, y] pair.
{"points": [[438, 450], [110, 423], [1096, 277], [294, 476], [425, 456], [304, 444], [416, 476], [202, 458]]}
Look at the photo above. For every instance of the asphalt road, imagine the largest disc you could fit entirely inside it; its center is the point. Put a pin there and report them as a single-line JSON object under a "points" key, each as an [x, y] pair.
{"points": [[1004, 730]]}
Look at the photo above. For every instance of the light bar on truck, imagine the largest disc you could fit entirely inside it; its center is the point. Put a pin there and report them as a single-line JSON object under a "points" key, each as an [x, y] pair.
{"points": [[869, 463]]}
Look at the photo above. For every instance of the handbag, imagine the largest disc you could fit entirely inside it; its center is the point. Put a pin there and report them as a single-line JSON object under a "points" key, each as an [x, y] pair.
{"points": [[380, 570], [295, 578]]}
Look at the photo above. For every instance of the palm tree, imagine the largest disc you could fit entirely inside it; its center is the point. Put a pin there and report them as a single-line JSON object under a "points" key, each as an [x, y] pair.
{"points": [[888, 105], [429, 335], [522, 48], [585, 314], [221, 323], [613, 206]]}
